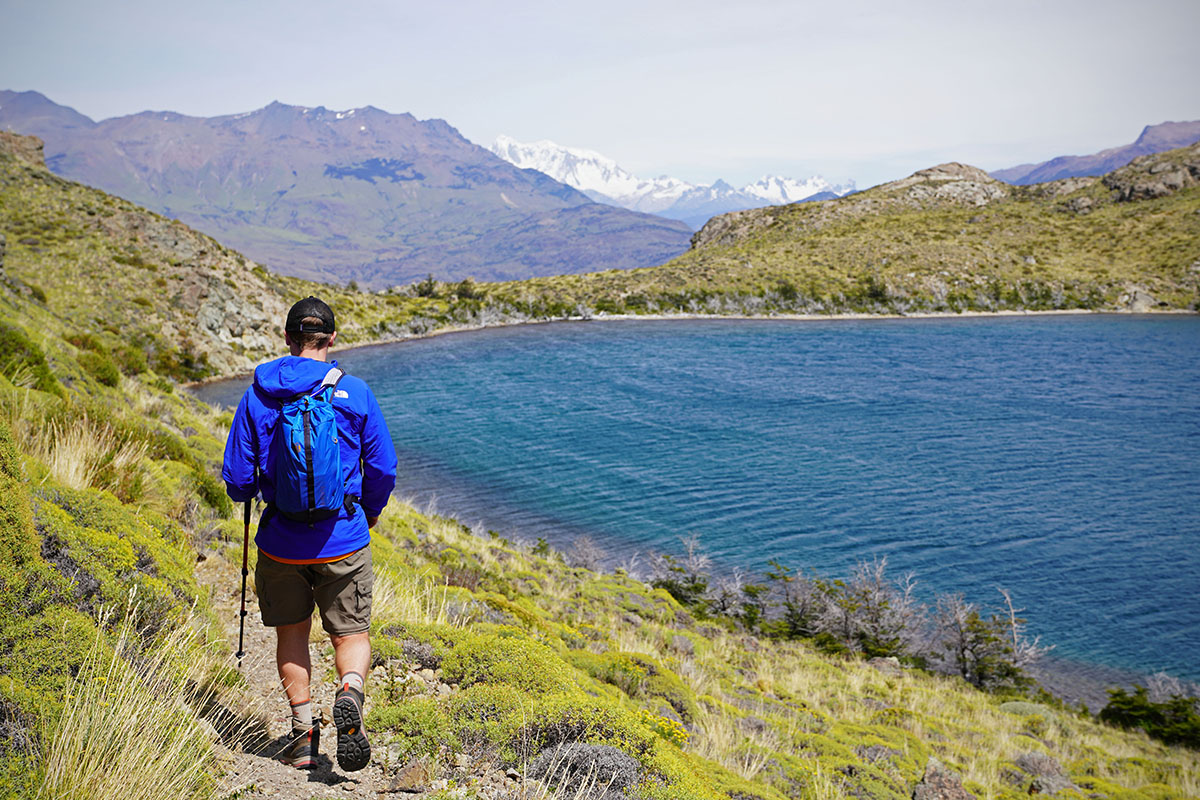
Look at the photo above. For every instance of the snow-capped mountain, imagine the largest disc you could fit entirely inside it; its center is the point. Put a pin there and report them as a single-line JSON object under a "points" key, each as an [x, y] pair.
{"points": [[605, 181], [595, 175]]}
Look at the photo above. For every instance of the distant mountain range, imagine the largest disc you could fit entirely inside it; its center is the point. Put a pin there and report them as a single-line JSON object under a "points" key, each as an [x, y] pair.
{"points": [[604, 181], [360, 194], [1154, 139]]}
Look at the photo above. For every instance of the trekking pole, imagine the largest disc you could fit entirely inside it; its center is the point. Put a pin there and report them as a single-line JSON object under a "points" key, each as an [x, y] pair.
{"points": [[245, 572]]}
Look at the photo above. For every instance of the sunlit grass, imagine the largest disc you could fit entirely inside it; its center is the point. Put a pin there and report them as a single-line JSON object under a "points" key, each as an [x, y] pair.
{"points": [[413, 597], [129, 727]]}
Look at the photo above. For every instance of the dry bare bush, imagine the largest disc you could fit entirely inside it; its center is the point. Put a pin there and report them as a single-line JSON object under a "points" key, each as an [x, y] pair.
{"points": [[585, 553]]}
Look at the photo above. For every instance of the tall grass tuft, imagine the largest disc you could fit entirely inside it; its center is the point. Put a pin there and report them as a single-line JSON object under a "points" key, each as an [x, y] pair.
{"points": [[77, 453], [416, 598], [128, 727]]}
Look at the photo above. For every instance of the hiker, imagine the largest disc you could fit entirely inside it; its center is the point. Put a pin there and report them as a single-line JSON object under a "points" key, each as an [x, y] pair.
{"points": [[313, 538]]}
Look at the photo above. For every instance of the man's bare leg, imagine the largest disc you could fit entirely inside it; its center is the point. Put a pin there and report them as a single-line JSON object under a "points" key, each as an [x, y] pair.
{"points": [[295, 670], [352, 656], [352, 653], [293, 660]]}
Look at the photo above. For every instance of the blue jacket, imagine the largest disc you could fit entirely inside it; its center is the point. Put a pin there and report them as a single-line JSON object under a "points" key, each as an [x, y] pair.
{"points": [[368, 460]]}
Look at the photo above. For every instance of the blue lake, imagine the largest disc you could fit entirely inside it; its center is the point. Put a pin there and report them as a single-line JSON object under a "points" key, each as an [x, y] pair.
{"points": [[1058, 457]]}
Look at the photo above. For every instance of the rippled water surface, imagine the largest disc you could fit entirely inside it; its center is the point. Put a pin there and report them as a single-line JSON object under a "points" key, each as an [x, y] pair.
{"points": [[1058, 457]]}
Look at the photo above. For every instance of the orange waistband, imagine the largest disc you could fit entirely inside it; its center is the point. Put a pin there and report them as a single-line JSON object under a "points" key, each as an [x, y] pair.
{"points": [[282, 560]]}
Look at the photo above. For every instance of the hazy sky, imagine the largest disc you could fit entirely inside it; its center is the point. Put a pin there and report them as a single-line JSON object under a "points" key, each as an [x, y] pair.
{"points": [[696, 89]]}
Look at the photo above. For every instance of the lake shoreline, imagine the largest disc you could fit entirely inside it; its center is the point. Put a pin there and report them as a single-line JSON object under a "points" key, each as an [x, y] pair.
{"points": [[856, 317]]}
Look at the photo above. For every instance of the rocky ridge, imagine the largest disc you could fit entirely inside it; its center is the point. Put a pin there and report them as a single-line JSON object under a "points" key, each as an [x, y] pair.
{"points": [[1158, 175], [950, 183], [1153, 139]]}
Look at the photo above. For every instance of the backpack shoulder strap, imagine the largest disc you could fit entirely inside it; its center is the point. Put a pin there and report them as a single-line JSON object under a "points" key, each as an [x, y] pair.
{"points": [[332, 377]]}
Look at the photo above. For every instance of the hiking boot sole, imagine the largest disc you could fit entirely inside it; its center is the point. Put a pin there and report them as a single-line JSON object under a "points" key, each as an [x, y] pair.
{"points": [[353, 749]]}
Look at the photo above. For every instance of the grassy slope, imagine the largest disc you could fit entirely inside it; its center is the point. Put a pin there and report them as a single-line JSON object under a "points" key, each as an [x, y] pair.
{"points": [[104, 488]]}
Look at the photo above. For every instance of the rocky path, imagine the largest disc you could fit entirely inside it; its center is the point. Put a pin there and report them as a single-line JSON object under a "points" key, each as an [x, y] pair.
{"points": [[248, 757]]}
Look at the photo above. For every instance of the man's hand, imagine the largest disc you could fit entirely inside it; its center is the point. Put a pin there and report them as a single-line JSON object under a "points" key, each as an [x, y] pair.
{"points": [[371, 522]]}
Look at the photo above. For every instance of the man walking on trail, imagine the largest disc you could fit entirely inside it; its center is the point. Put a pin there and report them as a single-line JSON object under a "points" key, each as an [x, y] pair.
{"points": [[314, 552]]}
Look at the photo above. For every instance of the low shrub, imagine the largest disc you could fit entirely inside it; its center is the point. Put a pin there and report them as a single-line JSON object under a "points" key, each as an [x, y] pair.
{"points": [[132, 360], [513, 660], [1175, 721], [100, 367], [420, 721], [24, 363], [212, 491]]}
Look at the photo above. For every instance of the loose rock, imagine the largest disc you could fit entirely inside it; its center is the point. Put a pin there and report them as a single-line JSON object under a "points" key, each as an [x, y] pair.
{"points": [[1048, 775], [413, 777], [939, 783]]}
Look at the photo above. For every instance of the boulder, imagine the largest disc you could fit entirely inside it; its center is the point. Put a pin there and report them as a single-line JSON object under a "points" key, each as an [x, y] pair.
{"points": [[939, 783], [875, 752], [1048, 776], [682, 645], [412, 778], [888, 666], [29, 149], [1137, 300], [1154, 176]]}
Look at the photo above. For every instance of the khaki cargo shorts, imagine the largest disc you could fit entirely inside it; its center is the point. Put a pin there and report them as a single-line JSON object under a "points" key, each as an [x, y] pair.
{"points": [[341, 589]]}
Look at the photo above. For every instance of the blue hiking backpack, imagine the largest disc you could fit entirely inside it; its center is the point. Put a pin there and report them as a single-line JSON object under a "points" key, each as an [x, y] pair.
{"points": [[308, 462]]}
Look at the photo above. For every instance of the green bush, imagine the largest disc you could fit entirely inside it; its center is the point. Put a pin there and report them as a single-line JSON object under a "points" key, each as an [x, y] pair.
{"points": [[1176, 721], [427, 287], [506, 659], [488, 715], [87, 341], [111, 548], [419, 721], [182, 365], [100, 367], [20, 356], [131, 360], [212, 491]]}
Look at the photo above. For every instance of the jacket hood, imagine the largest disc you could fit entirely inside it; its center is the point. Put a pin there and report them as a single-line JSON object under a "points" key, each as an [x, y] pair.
{"points": [[290, 375]]}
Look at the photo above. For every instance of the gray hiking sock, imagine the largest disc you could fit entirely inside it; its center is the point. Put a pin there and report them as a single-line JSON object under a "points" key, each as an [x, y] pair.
{"points": [[302, 716], [353, 680]]}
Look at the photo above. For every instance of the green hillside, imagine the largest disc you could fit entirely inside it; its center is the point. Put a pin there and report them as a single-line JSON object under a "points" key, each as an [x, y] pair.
{"points": [[947, 239], [502, 669]]}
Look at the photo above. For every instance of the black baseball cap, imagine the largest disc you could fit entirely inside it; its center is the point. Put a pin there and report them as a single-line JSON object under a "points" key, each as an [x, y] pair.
{"points": [[310, 307]]}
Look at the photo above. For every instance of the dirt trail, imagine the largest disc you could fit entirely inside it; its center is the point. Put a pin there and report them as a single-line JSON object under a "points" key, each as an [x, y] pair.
{"points": [[251, 766], [249, 762]]}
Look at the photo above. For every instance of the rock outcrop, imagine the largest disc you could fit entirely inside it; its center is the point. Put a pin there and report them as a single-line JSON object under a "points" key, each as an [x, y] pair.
{"points": [[1046, 776], [732, 227], [29, 149], [953, 182], [939, 783], [1156, 175]]}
